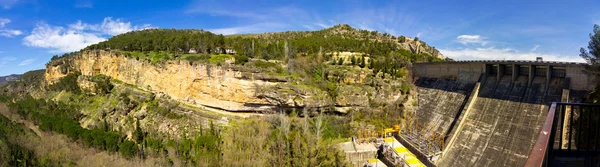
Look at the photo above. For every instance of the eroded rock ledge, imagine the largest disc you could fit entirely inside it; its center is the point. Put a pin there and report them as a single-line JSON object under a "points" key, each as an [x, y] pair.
{"points": [[220, 87]]}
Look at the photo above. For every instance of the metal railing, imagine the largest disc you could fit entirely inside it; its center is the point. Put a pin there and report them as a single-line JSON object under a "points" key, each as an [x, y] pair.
{"points": [[570, 136]]}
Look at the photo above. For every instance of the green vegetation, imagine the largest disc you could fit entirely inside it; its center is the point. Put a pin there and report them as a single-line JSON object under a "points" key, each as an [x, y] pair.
{"points": [[153, 106], [67, 83], [301, 58], [282, 141], [62, 118], [592, 55], [13, 154], [153, 44], [171, 40], [220, 58], [240, 60], [103, 85]]}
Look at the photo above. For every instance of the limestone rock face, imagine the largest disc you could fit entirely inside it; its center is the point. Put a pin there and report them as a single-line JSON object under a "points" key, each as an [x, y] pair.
{"points": [[86, 85], [209, 85]]}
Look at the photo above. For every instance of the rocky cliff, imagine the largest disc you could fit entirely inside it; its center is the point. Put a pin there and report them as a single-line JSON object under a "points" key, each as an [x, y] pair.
{"points": [[212, 86]]}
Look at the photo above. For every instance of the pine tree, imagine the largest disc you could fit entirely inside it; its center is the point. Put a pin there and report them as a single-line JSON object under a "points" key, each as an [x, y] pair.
{"points": [[353, 60], [362, 62], [592, 56], [139, 135]]}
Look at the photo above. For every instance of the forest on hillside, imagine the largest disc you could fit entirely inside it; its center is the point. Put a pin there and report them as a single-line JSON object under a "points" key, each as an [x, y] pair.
{"points": [[269, 46]]}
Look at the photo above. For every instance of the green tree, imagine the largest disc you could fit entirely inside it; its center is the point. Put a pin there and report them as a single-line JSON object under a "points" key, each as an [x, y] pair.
{"points": [[139, 135], [592, 56], [353, 60], [362, 62], [402, 39], [127, 149], [340, 61]]}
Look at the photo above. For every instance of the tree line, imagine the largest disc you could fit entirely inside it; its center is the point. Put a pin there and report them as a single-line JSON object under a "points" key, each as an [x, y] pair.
{"points": [[277, 46]]}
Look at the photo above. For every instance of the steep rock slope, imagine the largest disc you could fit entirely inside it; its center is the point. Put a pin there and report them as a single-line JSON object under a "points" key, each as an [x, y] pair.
{"points": [[212, 86]]}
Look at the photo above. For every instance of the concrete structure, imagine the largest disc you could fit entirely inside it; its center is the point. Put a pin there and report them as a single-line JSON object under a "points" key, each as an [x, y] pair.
{"points": [[498, 107], [358, 154], [374, 163], [439, 104], [470, 71]]}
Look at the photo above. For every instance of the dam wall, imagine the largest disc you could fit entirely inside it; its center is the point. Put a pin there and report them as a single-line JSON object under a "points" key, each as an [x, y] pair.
{"points": [[440, 102], [470, 71], [497, 123]]}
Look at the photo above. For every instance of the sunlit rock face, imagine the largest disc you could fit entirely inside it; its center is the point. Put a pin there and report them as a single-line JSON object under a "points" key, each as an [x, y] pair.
{"points": [[209, 85]]}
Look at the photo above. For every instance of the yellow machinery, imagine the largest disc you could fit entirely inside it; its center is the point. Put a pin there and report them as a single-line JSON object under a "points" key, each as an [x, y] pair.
{"points": [[389, 131], [367, 135]]}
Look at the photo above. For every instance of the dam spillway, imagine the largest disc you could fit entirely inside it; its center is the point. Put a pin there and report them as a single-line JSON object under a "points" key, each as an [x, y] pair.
{"points": [[496, 122]]}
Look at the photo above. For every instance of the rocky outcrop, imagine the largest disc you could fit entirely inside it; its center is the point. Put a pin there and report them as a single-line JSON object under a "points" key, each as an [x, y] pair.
{"points": [[207, 85]]}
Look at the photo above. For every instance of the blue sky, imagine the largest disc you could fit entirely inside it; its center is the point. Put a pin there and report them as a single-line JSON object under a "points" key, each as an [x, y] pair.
{"points": [[31, 31]]}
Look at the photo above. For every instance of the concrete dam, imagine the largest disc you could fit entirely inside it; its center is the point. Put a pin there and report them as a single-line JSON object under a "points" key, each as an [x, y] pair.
{"points": [[488, 113]]}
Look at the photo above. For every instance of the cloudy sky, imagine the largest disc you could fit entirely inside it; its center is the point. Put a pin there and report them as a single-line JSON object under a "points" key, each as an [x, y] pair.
{"points": [[31, 31]]}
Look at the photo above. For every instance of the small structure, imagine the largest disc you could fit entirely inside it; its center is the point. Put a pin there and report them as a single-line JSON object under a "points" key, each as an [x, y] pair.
{"points": [[358, 153], [192, 51], [230, 51], [374, 163], [539, 59]]}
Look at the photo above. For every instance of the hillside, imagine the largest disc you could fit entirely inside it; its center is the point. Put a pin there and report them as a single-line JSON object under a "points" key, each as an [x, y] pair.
{"points": [[6, 79], [169, 97], [346, 31]]}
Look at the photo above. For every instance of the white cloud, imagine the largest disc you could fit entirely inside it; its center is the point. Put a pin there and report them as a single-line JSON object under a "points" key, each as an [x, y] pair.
{"points": [[418, 35], [114, 27], [10, 33], [6, 60], [471, 39], [4, 21], [492, 53], [78, 35], [535, 48], [60, 39], [324, 25], [7, 32], [26, 62]]}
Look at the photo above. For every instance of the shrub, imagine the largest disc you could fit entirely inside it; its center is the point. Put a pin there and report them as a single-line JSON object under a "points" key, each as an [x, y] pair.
{"points": [[67, 83], [196, 57], [103, 85], [241, 60], [128, 149], [221, 58]]}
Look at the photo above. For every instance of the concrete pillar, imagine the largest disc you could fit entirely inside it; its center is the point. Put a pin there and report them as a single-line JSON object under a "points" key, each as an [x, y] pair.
{"points": [[531, 74], [548, 74], [565, 95], [566, 120], [487, 70], [515, 72], [499, 72]]}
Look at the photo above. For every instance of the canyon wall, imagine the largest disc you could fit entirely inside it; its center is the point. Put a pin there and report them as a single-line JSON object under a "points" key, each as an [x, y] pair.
{"points": [[209, 85]]}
